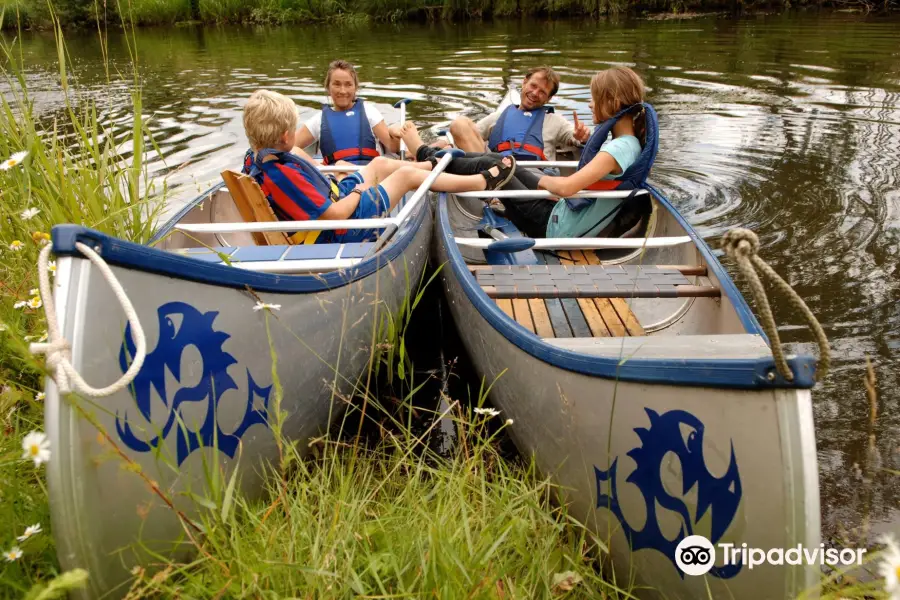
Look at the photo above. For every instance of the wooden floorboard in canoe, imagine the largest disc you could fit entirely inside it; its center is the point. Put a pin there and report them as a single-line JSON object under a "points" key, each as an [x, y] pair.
{"points": [[558, 320], [523, 314]]}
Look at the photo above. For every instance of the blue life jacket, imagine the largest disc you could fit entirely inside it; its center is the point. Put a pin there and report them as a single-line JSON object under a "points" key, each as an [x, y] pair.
{"points": [[346, 135], [520, 133], [634, 176], [323, 185]]}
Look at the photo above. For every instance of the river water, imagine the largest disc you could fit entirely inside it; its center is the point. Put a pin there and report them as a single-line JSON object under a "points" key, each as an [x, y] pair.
{"points": [[787, 124]]}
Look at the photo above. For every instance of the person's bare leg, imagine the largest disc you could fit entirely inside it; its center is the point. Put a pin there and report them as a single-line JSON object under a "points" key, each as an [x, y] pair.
{"points": [[409, 178], [381, 168], [465, 135], [341, 174]]}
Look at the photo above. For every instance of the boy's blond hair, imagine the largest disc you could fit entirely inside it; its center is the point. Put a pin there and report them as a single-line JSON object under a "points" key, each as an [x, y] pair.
{"points": [[267, 116]]}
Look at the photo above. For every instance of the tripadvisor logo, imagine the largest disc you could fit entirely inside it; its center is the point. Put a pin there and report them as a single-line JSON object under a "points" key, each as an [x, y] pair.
{"points": [[696, 555]]}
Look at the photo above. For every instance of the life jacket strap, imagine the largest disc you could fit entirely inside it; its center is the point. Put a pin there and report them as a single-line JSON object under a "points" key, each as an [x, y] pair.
{"points": [[349, 153], [513, 146], [605, 184]]}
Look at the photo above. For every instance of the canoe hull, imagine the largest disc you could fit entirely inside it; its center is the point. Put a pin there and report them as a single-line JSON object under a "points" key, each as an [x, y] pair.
{"points": [[205, 399], [643, 464]]}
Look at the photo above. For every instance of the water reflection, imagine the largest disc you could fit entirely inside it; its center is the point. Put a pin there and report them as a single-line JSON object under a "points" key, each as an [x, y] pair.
{"points": [[785, 124]]}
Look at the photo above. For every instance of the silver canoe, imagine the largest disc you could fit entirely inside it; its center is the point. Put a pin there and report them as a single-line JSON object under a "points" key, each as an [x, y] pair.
{"points": [[203, 399], [661, 415]]}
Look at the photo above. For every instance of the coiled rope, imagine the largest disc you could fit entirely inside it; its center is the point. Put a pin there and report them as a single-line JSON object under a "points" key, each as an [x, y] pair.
{"points": [[742, 245], [58, 349]]}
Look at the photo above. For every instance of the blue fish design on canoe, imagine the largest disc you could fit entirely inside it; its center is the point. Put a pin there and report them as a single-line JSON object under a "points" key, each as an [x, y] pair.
{"points": [[182, 326], [681, 433]]}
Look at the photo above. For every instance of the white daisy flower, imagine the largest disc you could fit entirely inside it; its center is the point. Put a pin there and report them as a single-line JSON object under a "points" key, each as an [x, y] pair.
{"points": [[487, 411], [30, 531], [16, 245], [889, 566], [13, 160], [40, 396], [36, 447], [13, 554], [30, 213], [51, 266], [34, 292], [35, 303], [263, 305]]}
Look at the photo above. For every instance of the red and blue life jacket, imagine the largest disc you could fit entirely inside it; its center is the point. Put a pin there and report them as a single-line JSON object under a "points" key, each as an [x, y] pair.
{"points": [[520, 133], [282, 205], [634, 176], [346, 135]]}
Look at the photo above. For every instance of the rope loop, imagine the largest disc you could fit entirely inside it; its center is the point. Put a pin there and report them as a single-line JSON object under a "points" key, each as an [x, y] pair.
{"points": [[742, 245], [58, 350]]}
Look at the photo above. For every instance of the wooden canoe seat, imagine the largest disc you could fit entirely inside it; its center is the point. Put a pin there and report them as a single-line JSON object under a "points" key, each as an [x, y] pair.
{"points": [[254, 208], [573, 313], [588, 281]]}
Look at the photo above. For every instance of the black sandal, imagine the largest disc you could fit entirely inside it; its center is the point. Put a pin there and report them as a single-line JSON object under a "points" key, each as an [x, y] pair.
{"points": [[503, 176]]}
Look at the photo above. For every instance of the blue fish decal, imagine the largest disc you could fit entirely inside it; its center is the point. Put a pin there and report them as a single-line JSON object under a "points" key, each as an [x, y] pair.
{"points": [[679, 432], [180, 327]]}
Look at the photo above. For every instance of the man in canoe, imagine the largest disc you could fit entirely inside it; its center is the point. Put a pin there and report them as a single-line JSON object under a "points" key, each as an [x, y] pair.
{"points": [[529, 131], [352, 130], [297, 191], [617, 96]]}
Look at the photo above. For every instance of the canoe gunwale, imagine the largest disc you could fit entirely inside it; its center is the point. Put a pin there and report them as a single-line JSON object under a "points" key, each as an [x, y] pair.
{"points": [[142, 257], [169, 225], [744, 373]]}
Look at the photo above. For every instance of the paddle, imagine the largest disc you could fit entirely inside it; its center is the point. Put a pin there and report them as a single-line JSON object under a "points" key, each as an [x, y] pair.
{"points": [[510, 245], [401, 104]]}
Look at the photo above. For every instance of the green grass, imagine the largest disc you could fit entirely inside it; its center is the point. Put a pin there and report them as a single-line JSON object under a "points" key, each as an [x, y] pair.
{"points": [[73, 173], [393, 521]]}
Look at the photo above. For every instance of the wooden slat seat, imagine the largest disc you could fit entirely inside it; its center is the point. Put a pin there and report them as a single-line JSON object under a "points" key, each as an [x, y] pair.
{"points": [[564, 300], [584, 280], [254, 208]]}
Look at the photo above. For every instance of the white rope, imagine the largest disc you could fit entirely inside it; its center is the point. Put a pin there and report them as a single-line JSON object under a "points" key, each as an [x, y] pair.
{"points": [[58, 349]]}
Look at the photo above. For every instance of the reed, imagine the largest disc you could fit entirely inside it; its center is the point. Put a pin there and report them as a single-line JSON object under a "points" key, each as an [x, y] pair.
{"points": [[67, 168], [391, 520]]}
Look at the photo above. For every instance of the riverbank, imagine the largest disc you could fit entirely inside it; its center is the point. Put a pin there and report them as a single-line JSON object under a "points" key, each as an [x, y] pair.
{"points": [[36, 14]]}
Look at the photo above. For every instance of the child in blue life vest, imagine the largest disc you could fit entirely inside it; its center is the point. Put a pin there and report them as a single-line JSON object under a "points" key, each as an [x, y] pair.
{"points": [[352, 130], [613, 91], [297, 191]]}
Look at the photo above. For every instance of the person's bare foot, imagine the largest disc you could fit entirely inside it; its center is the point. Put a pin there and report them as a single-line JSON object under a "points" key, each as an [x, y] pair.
{"points": [[410, 135]]}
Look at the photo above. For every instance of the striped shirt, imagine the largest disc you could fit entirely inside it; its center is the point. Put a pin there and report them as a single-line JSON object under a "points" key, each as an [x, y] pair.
{"points": [[290, 192]]}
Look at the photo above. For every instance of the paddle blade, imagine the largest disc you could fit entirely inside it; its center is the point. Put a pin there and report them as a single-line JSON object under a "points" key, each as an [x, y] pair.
{"points": [[511, 245]]}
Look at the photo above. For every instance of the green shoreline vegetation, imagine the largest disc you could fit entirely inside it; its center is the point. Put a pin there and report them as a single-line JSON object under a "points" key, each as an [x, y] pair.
{"points": [[36, 14], [387, 519]]}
